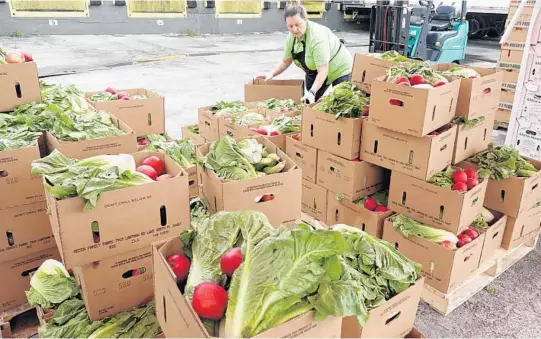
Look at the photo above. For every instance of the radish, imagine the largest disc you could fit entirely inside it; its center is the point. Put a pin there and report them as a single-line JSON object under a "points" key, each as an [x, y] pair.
{"points": [[231, 260], [434, 133], [440, 83], [405, 84], [381, 209], [471, 183], [27, 57], [143, 142], [180, 265], [459, 176], [401, 80], [370, 204], [110, 90], [297, 137], [366, 110], [209, 301], [416, 79], [164, 177], [460, 186], [14, 58], [471, 233], [471, 173], [148, 171], [395, 102], [448, 244], [463, 240], [154, 162]]}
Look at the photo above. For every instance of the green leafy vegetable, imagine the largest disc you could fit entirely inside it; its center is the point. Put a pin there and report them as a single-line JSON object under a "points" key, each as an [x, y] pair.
{"points": [[15, 134], [407, 69], [278, 105], [390, 56], [194, 129], [468, 123], [409, 227], [287, 124], [461, 72], [502, 162], [247, 119], [346, 101], [226, 109], [198, 212], [480, 224], [444, 178], [381, 197], [181, 151]]}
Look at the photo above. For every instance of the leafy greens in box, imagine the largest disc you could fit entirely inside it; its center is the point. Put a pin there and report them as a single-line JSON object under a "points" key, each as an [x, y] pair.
{"points": [[181, 151], [15, 134]]}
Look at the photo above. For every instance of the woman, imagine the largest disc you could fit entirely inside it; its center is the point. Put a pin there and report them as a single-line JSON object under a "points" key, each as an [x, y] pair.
{"points": [[317, 51]]}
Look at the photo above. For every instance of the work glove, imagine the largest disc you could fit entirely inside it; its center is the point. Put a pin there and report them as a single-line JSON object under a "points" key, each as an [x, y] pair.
{"points": [[308, 98]]}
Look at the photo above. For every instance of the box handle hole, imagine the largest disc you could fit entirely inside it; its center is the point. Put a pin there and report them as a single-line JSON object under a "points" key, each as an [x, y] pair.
{"points": [[18, 90], [465, 143], [396, 245], [495, 235], [163, 215], [534, 186], [396, 102], [11, 240], [298, 154], [443, 148], [314, 204], [363, 227], [404, 196], [450, 105], [336, 215], [434, 113], [263, 198], [365, 181], [432, 265], [442, 209], [191, 182], [339, 138], [375, 147], [27, 272], [410, 159], [311, 130], [207, 123], [149, 119], [468, 257], [393, 318], [502, 196], [487, 91], [164, 308], [95, 226], [485, 135], [134, 272], [364, 76]]}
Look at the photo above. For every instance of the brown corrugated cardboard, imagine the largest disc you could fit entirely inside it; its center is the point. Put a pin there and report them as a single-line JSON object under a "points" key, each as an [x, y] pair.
{"points": [[470, 141], [16, 277], [478, 96], [502, 116], [17, 179], [347, 212], [227, 127], [519, 32], [304, 156], [25, 229], [443, 268], [393, 319], [493, 236], [525, 15], [514, 195], [526, 226], [172, 306], [116, 284], [208, 124], [418, 157], [196, 138], [193, 180], [258, 90], [435, 206], [511, 55], [19, 85], [366, 68], [507, 97], [127, 218], [126, 143], [323, 131], [351, 178], [412, 111], [314, 201], [284, 187], [144, 116]]}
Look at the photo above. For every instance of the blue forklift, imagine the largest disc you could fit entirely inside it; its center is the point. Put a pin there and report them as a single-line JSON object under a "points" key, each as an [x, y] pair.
{"points": [[423, 32]]}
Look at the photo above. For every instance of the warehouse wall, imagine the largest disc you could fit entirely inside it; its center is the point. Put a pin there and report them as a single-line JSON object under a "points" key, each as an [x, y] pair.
{"points": [[111, 19]]}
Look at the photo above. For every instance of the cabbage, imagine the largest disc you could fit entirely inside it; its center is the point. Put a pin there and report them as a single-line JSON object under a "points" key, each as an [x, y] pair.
{"points": [[408, 227], [229, 161]]}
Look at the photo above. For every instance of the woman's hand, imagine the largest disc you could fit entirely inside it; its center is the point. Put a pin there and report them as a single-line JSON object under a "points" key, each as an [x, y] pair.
{"points": [[266, 77], [279, 69]]}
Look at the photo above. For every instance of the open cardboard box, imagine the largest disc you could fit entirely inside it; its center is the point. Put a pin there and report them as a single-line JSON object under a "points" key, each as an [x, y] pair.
{"points": [[117, 283], [19, 84], [418, 157], [314, 201], [526, 226], [285, 188], [323, 131], [436, 206], [124, 220], [351, 178], [412, 111], [126, 143], [209, 123], [366, 68], [16, 277], [259, 90], [24, 230], [471, 141], [144, 116], [493, 236], [347, 212], [511, 55], [476, 96], [196, 138], [16, 177], [178, 320], [304, 156], [443, 268], [514, 195]]}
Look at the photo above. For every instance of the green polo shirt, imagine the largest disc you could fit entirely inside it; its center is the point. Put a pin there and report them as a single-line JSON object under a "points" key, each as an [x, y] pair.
{"points": [[321, 46]]}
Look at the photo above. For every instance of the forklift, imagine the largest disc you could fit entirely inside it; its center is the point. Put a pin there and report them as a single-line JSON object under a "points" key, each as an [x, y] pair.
{"points": [[437, 35]]}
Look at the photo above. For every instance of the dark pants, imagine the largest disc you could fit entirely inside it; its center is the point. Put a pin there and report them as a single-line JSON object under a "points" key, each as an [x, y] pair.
{"points": [[319, 94]]}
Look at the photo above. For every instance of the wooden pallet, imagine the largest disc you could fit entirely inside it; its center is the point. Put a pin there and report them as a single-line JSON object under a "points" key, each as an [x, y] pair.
{"points": [[491, 269], [19, 322]]}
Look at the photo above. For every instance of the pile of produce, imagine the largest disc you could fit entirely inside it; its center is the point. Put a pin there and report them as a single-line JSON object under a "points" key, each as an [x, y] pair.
{"points": [[456, 179], [466, 237], [410, 227], [229, 261], [52, 287], [281, 125], [461, 73], [87, 178], [111, 94], [345, 101], [376, 202], [15, 134], [468, 123], [154, 168], [247, 118], [418, 75], [14, 57], [502, 162], [245, 159], [483, 222], [282, 106], [389, 56], [225, 109], [181, 151]]}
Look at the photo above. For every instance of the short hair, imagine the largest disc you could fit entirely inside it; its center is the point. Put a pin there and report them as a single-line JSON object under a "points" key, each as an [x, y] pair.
{"points": [[293, 10]]}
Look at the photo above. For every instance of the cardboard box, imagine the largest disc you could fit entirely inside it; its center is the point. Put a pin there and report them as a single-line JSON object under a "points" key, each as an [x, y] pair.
{"points": [[24, 230], [314, 201], [127, 219], [352, 179], [304, 156], [350, 213], [209, 124], [471, 141], [116, 284], [193, 180], [522, 228], [393, 319], [528, 9], [514, 195], [227, 127], [126, 143], [196, 138], [435, 206], [367, 68], [511, 56], [418, 157], [417, 112], [19, 85], [478, 96], [502, 116], [519, 32], [16, 277], [507, 97], [493, 236], [171, 306], [144, 116], [259, 90], [323, 131], [17, 179], [443, 268], [285, 187]]}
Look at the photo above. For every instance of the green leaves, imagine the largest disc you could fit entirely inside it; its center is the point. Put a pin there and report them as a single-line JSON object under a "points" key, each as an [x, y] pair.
{"points": [[409, 227], [502, 162], [468, 123], [279, 105], [181, 151], [346, 100], [444, 178]]}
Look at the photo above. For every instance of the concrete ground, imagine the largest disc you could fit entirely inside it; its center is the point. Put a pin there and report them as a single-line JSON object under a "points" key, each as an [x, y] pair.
{"points": [[197, 71]]}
